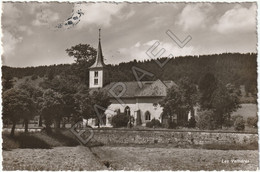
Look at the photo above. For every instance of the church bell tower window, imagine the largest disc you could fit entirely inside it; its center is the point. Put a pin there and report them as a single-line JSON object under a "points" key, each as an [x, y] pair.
{"points": [[96, 73], [95, 81]]}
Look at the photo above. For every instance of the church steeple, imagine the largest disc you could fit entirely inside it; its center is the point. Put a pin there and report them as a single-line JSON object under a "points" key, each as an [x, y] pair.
{"points": [[96, 71], [99, 63]]}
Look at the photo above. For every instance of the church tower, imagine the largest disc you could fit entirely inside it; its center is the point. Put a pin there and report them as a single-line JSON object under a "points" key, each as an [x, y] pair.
{"points": [[96, 71]]}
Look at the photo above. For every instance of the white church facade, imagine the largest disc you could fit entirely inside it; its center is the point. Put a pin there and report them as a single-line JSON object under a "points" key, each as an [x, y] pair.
{"points": [[138, 99]]}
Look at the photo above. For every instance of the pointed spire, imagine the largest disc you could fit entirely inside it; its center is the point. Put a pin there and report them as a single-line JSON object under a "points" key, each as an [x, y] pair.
{"points": [[99, 34], [99, 59]]}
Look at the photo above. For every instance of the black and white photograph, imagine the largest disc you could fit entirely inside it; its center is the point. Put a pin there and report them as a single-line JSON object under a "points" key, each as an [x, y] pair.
{"points": [[132, 86]]}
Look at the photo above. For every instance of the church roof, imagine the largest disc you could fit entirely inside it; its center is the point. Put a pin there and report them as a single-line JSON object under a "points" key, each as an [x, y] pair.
{"points": [[99, 63], [134, 89]]}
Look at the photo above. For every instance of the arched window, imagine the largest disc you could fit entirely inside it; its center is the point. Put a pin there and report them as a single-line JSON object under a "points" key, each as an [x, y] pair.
{"points": [[127, 110], [147, 116]]}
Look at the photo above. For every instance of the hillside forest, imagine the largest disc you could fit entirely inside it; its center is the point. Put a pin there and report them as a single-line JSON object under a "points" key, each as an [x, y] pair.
{"points": [[234, 68]]}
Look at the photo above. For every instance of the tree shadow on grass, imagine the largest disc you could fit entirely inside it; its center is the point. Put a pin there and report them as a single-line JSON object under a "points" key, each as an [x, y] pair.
{"points": [[64, 137], [29, 141]]}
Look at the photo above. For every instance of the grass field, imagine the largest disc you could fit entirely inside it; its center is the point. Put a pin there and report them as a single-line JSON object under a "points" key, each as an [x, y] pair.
{"points": [[127, 158], [58, 158], [246, 110], [140, 158]]}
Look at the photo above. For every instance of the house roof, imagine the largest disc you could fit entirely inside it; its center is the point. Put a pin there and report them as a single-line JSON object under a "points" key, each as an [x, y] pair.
{"points": [[134, 89]]}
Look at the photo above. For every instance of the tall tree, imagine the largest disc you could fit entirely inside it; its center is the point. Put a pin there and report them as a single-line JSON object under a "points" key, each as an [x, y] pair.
{"points": [[99, 99], [207, 85], [7, 82], [174, 103], [221, 99], [52, 109], [35, 95], [16, 106], [84, 56], [190, 93], [84, 102], [82, 53], [225, 101]]}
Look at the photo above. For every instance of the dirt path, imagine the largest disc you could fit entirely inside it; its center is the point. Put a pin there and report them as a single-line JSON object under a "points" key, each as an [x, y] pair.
{"points": [[141, 158], [58, 158]]}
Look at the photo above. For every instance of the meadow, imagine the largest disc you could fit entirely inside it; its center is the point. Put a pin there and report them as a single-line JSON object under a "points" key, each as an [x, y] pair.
{"points": [[128, 158], [246, 110]]}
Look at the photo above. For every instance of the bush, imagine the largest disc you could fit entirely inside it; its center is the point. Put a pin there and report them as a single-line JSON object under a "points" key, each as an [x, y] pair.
{"points": [[119, 120], [192, 122], [153, 123], [239, 124], [206, 120], [149, 124], [252, 121], [172, 124], [182, 123], [228, 123], [234, 118], [34, 77]]}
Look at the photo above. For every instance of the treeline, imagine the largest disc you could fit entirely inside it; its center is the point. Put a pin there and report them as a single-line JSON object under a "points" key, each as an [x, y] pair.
{"points": [[235, 68]]}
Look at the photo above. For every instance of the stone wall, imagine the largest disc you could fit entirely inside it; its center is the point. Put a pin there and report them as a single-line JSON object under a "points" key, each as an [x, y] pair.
{"points": [[22, 130], [121, 136]]}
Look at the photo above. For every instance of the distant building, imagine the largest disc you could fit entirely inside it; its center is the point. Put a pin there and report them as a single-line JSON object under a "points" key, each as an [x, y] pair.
{"points": [[137, 99]]}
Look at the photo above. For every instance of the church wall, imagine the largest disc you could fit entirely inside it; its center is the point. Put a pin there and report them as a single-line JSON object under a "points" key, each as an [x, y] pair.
{"points": [[135, 104]]}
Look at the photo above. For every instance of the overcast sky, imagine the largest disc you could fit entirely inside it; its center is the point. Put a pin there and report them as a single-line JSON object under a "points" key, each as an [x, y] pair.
{"points": [[36, 33]]}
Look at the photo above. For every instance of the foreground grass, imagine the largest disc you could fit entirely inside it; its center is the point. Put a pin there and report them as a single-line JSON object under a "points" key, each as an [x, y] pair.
{"points": [[56, 159], [127, 158], [143, 158]]}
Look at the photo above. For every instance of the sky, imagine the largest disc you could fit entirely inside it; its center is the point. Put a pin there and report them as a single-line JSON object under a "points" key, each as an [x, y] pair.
{"points": [[37, 34]]}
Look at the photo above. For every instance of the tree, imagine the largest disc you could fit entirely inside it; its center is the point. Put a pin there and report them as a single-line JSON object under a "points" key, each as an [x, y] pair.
{"points": [[7, 82], [221, 99], [180, 100], [84, 56], [207, 86], [83, 100], [52, 109], [174, 103], [35, 95], [17, 105], [82, 53], [225, 100], [190, 93], [99, 98], [67, 87]]}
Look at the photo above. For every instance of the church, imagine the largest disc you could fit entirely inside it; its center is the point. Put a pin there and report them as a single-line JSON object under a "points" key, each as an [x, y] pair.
{"points": [[138, 99]]}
